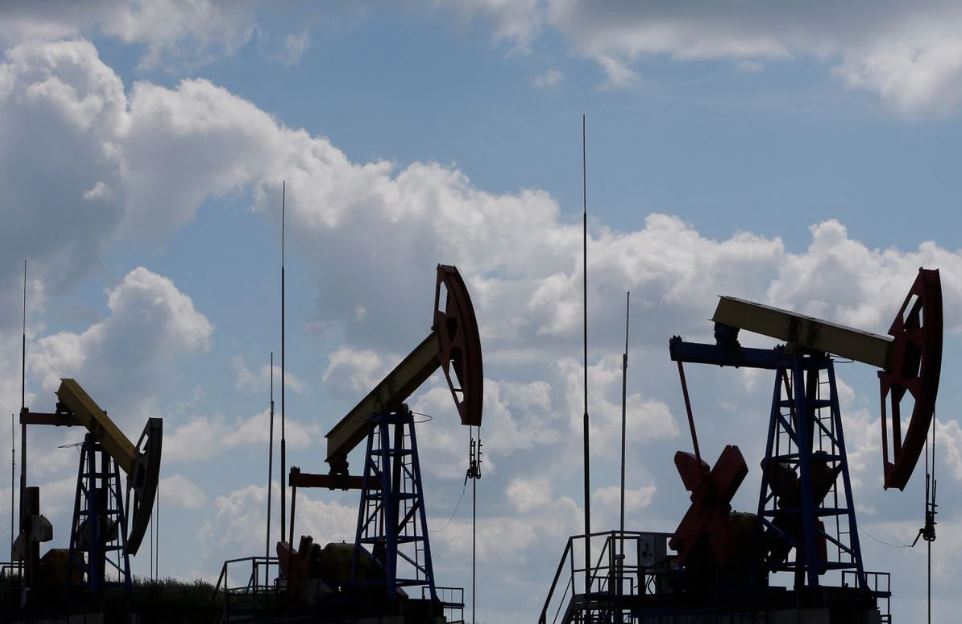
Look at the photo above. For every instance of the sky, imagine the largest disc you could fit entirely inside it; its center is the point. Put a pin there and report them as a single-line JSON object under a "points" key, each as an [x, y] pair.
{"points": [[801, 155]]}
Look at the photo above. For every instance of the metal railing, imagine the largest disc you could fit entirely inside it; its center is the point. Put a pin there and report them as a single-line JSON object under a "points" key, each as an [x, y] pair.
{"points": [[452, 600], [626, 566], [880, 584], [258, 591], [11, 582]]}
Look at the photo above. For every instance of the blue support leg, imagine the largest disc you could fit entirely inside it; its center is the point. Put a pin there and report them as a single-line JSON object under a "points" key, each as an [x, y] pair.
{"points": [[391, 516], [856, 549], [804, 424]]}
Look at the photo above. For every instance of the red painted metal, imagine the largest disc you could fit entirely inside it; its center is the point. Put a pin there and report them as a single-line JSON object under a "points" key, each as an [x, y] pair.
{"points": [[460, 342], [711, 494], [914, 366], [295, 564], [785, 483]]}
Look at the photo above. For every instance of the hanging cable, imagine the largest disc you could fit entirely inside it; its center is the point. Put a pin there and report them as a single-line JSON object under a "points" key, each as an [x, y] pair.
{"points": [[862, 530], [472, 469], [927, 532], [456, 507]]}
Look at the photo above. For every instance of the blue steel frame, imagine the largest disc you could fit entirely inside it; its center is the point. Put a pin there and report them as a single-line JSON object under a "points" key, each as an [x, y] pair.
{"points": [[392, 485], [98, 506], [801, 427]]}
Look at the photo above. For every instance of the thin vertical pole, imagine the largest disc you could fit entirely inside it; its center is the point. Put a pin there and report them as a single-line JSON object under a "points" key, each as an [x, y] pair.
{"points": [[157, 556], [474, 532], [283, 474], [922, 532], [624, 413], [270, 465], [587, 444], [13, 473], [156, 541], [23, 402], [930, 509], [474, 548], [151, 526], [23, 342]]}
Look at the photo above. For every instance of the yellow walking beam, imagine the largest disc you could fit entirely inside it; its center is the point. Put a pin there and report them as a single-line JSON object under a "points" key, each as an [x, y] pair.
{"points": [[88, 414], [387, 395], [805, 331]]}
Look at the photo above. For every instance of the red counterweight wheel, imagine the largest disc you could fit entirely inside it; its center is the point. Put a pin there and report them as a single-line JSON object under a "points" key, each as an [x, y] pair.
{"points": [[457, 330], [914, 366]]}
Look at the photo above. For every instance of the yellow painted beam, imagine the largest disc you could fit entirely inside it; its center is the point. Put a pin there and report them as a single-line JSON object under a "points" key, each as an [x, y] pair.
{"points": [[389, 394], [89, 415], [808, 332]]}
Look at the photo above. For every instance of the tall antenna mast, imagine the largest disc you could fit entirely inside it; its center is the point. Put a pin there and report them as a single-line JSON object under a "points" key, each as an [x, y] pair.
{"points": [[13, 472], [283, 474], [23, 343], [157, 514], [586, 434], [624, 412], [270, 466], [23, 404]]}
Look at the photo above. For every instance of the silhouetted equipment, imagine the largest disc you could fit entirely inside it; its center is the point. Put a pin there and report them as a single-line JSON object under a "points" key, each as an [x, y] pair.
{"points": [[910, 358], [103, 521], [391, 554], [453, 345], [805, 522], [806, 460]]}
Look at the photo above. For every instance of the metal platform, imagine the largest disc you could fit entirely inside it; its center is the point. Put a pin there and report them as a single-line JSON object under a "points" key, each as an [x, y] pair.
{"points": [[636, 580]]}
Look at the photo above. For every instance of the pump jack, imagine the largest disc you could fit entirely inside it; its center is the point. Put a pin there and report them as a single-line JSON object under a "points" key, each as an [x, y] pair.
{"points": [[101, 515], [806, 456], [806, 501], [391, 533], [724, 559]]}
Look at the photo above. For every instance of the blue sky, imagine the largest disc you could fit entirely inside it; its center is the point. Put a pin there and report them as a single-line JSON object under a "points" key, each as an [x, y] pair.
{"points": [[804, 157]]}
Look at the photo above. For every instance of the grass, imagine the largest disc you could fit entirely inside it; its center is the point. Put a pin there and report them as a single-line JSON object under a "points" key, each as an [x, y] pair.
{"points": [[172, 600]]}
